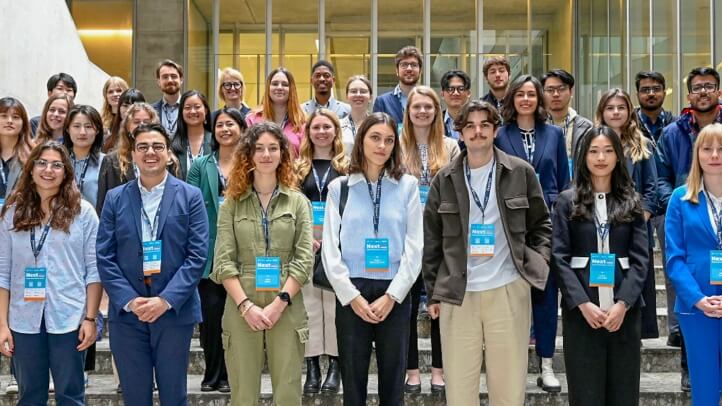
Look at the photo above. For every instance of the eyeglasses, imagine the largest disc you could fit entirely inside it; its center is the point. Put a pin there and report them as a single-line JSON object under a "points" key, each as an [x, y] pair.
{"points": [[650, 89], [407, 65], [356, 92], [56, 166], [232, 85], [556, 89], [704, 88], [456, 89], [144, 147]]}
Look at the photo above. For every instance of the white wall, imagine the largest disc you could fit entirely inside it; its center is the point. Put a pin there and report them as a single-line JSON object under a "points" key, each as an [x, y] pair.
{"points": [[40, 40]]}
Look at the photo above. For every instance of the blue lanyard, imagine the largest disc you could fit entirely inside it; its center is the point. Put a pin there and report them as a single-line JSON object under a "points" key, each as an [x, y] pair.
{"points": [[43, 236], [487, 192], [220, 173], [82, 173], [717, 219], [376, 201], [529, 144], [353, 125], [602, 229], [190, 155], [425, 171], [321, 185], [264, 218], [2, 173]]}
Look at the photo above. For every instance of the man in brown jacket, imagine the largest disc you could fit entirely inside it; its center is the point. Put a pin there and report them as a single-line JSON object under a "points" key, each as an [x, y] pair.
{"points": [[487, 238]]}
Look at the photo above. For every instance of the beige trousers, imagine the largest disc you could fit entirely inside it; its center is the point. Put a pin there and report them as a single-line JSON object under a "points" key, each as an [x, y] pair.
{"points": [[321, 310], [493, 323]]}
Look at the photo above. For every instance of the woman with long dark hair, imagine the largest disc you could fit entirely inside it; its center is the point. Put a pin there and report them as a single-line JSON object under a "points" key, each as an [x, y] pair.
{"points": [[193, 137], [599, 254], [49, 283], [15, 143], [84, 138]]}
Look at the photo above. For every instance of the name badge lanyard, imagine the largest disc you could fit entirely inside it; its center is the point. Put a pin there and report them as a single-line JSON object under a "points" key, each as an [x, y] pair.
{"points": [[154, 225], [529, 145], [487, 192], [220, 173], [376, 202], [264, 219], [41, 242], [170, 124], [353, 125], [321, 185], [2, 175], [191, 158], [425, 171], [81, 173], [602, 231], [717, 219]]}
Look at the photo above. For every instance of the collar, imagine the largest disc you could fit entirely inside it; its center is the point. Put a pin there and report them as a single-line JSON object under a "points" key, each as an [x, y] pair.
{"points": [[331, 102], [500, 157], [447, 117], [715, 199], [161, 185], [357, 177], [164, 103], [397, 90], [282, 190]]}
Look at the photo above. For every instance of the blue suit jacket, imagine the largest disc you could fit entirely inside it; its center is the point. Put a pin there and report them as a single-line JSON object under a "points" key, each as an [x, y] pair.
{"points": [[183, 228], [550, 156], [689, 238], [390, 104]]}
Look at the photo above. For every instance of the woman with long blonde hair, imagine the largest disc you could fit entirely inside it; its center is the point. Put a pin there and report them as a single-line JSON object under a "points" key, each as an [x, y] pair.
{"points": [[112, 89], [52, 118]]}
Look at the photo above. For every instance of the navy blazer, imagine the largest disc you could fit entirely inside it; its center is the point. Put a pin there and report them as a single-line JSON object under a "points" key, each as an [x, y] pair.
{"points": [[550, 156], [183, 228], [388, 103]]}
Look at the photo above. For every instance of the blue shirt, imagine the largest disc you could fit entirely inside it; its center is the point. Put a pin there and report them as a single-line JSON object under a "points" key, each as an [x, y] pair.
{"points": [[89, 187], [449, 126], [150, 202], [71, 267], [340, 108], [403, 98], [169, 116]]}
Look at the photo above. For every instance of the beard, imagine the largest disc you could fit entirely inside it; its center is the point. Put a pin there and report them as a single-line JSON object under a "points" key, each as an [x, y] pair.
{"points": [[712, 106]]}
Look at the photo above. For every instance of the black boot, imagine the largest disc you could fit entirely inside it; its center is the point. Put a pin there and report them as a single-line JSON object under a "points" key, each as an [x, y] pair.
{"points": [[332, 377], [313, 376]]}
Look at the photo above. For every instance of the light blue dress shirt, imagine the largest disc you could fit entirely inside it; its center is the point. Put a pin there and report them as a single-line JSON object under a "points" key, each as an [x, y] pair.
{"points": [[71, 267], [89, 187]]}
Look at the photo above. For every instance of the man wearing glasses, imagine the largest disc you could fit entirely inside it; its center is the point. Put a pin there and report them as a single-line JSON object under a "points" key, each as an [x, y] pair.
{"points": [[408, 70], [651, 116], [323, 77], [152, 247], [455, 90], [674, 149]]}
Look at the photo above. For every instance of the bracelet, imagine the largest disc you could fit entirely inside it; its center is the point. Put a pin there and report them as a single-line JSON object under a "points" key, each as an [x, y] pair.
{"points": [[90, 320], [243, 313], [238, 307]]}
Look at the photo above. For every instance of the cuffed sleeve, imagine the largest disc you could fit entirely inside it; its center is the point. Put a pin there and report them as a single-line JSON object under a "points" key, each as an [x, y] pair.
{"points": [[301, 264], [413, 244]]}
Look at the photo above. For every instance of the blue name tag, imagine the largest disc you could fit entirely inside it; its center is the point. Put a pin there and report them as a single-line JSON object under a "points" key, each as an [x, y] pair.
{"points": [[537, 178], [715, 267], [482, 240], [2, 202], [571, 168], [319, 208], [221, 199], [268, 273], [423, 194], [601, 270], [35, 284], [400, 128], [152, 255], [377, 255]]}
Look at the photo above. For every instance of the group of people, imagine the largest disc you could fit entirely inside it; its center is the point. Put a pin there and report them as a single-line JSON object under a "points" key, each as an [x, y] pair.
{"points": [[291, 232]]}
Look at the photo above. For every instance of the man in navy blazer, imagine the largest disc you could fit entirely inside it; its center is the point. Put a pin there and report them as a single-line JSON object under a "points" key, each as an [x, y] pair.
{"points": [[169, 76], [154, 302], [408, 69]]}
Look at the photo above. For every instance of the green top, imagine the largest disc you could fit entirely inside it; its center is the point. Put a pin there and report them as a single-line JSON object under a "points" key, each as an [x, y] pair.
{"points": [[240, 238], [204, 175]]}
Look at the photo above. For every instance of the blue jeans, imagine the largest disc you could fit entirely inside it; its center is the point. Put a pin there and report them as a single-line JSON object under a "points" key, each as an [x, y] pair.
{"points": [[34, 354]]}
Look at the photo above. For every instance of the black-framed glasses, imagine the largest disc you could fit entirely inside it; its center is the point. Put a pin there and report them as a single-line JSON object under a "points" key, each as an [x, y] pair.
{"points": [[407, 65], [456, 89], [232, 85], [704, 88], [651, 89], [144, 147], [556, 89], [42, 164]]}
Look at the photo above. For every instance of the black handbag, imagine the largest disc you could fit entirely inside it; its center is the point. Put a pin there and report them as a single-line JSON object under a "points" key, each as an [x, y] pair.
{"points": [[320, 280]]}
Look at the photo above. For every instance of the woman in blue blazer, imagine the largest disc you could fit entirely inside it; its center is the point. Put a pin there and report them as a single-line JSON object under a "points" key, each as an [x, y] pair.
{"points": [[527, 136], [693, 240]]}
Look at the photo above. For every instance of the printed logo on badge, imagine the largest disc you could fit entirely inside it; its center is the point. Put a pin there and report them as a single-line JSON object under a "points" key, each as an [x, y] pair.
{"points": [[423, 194], [319, 209], [715, 267], [35, 284], [481, 243], [377, 254], [601, 270], [268, 274], [152, 254]]}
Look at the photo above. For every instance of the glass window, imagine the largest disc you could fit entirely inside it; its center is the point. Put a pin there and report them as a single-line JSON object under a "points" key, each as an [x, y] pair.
{"points": [[452, 25], [639, 26], [198, 73], [695, 29], [400, 24], [664, 50]]}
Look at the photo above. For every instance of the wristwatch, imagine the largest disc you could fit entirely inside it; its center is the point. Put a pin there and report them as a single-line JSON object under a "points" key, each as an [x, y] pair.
{"points": [[285, 297]]}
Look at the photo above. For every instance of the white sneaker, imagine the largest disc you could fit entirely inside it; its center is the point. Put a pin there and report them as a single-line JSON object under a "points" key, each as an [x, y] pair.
{"points": [[51, 386], [87, 379], [547, 381], [12, 388]]}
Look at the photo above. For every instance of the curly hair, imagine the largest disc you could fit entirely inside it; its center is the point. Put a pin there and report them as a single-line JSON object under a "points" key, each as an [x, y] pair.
{"points": [[44, 132], [125, 145], [339, 160], [65, 205], [241, 176], [635, 144]]}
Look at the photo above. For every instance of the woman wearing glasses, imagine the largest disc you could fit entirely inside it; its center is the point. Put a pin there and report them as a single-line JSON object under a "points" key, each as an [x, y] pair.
{"points": [[49, 284], [231, 89], [358, 94]]}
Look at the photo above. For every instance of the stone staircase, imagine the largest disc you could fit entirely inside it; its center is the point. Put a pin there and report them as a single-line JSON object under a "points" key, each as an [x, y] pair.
{"points": [[660, 380]]}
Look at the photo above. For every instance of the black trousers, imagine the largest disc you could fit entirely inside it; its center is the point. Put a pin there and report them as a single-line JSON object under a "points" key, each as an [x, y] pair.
{"points": [[213, 299], [649, 294], [355, 338], [602, 368], [413, 358]]}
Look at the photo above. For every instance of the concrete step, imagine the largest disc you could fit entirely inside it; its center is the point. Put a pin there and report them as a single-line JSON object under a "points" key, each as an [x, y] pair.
{"points": [[655, 389]]}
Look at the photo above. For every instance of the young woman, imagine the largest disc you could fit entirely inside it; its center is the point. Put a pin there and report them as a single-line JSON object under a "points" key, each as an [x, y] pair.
{"points": [[210, 173], [527, 135], [83, 138], [127, 99], [380, 237], [264, 254], [322, 160], [193, 138], [424, 150], [280, 105], [231, 87], [112, 89], [615, 110], [47, 242], [358, 94], [53, 118], [15, 143], [693, 242], [599, 254]]}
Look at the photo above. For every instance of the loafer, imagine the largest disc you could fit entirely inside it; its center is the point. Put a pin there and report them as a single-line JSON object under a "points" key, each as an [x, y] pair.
{"points": [[685, 384], [412, 388], [206, 387], [118, 389], [438, 389], [674, 339], [224, 387]]}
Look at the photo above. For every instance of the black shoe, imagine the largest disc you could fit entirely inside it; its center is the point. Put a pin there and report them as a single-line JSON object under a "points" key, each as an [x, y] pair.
{"points": [[313, 376], [206, 387], [686, 386], [674, 339], [409, 388], [333, 376], [437, 389], [118, 389], [223, 387]]}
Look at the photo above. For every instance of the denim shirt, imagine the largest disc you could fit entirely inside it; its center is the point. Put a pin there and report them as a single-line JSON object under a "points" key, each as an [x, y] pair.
{"points": [[71, 267]]}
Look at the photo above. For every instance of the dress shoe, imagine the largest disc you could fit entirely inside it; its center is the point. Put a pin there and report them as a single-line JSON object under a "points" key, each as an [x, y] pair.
{"points": [[118, 389], [437, 389], [313, 376], [674, 339], [333, 376], [686, 385], [206, 387], [224, 387], [547, 381], [412, 388]]}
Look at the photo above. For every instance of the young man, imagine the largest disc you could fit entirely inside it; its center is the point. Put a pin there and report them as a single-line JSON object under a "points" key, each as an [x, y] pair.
{"points": [[674, 156], [152, 247], [455, 90], [487, 241], [651, 115], [59, 83], [496, 71], [169, 76], [408, 70], [323, 77], [558, 86]]}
